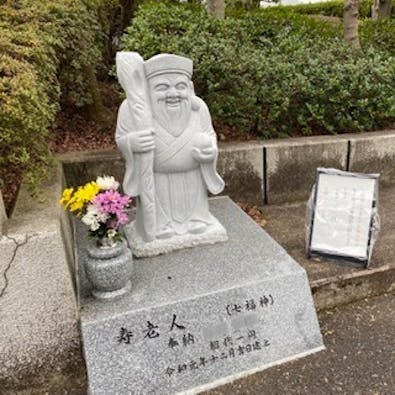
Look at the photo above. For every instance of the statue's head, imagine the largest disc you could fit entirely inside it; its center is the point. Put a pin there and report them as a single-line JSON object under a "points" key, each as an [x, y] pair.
{"points": [[171, 90]]}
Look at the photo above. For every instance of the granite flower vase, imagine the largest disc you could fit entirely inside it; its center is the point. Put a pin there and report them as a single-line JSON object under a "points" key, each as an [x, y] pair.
{"points": [[109, 269]]}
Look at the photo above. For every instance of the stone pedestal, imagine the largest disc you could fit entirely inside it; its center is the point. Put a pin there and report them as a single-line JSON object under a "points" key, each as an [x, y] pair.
{"points": [[200, 317]]}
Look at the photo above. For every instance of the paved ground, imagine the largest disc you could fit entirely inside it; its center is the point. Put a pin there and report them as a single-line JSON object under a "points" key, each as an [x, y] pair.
{"points": [[359, 360]]}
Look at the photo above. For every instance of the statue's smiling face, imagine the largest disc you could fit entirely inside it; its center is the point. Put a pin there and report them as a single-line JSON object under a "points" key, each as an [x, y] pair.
{"points": [[171, 89], [171, 95]]}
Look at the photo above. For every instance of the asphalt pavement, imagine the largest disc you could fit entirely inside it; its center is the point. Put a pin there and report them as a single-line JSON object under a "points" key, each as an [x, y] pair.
{"points": [[359, 358]]}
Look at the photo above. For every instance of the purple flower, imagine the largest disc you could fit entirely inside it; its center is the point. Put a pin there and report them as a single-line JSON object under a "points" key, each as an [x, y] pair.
{"points": [[113, 203]]}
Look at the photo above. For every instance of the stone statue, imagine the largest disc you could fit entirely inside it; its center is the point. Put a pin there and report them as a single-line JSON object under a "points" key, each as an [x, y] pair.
{"points": [[165, 134]]}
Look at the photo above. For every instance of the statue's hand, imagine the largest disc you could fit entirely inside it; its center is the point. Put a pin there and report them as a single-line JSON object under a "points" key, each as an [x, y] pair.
{"points": [[142, 141], [205, 155]]}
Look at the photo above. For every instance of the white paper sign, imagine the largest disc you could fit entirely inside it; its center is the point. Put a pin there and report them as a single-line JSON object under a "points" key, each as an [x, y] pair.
{"points": [[343, 214]]}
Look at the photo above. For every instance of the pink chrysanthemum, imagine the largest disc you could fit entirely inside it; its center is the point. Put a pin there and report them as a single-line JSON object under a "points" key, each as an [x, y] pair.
{"points": [[113, 203]]}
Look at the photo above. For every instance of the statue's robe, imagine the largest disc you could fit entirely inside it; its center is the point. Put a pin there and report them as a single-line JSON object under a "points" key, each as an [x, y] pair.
{"points": [[181, 183]]}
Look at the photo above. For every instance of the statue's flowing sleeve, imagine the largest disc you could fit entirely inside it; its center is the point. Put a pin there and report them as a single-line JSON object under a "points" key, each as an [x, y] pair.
{"points": [[215, 184], [122, 135]]}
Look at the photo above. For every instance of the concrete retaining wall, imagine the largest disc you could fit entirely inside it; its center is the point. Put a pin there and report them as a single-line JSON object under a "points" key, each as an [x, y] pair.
{"points": [[241, 166], [284, 170], [81, 167], [331, 292], [268, 172], [291, 165], [374, 153]]}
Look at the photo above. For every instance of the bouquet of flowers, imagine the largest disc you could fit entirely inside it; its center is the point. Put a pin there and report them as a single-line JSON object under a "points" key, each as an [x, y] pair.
{"points": [[100, 206]]}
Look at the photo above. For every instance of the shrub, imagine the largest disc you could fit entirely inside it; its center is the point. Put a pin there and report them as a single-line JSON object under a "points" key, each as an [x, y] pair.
{"points": [[272, 72], [244, 4], [326, 89], [50, 49], [379, 35], [331, 8], [25, 115], [276, 24]]}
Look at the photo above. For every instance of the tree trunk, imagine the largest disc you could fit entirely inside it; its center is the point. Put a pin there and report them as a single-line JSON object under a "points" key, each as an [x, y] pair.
{"points": [[128, 9], [350, 23], [216, 8], [94, 110], [381, 9]]}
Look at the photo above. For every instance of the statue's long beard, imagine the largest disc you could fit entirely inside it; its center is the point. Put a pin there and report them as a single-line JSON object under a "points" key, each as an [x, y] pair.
{"points": [[174, 120]]}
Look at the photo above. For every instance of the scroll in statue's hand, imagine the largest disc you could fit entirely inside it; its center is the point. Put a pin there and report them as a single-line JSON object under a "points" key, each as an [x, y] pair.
{"points": [[142, 141]]}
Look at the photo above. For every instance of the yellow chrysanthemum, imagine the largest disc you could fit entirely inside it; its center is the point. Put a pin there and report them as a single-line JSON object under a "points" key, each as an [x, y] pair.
{"points": [[66, 197], [82, 196], [90, 189], [76, 205]]}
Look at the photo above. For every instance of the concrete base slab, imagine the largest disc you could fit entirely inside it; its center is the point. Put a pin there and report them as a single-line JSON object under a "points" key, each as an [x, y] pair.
{"points": [[201, 316]]}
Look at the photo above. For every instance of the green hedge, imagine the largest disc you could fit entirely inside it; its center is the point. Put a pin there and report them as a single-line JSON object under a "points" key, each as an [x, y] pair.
{"points": [[272, 72], [331, 8], [49, 51], [378, 34]]}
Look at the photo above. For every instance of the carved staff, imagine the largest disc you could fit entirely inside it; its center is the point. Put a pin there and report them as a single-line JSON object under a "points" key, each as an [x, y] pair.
{"points": [[131, 66]]}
